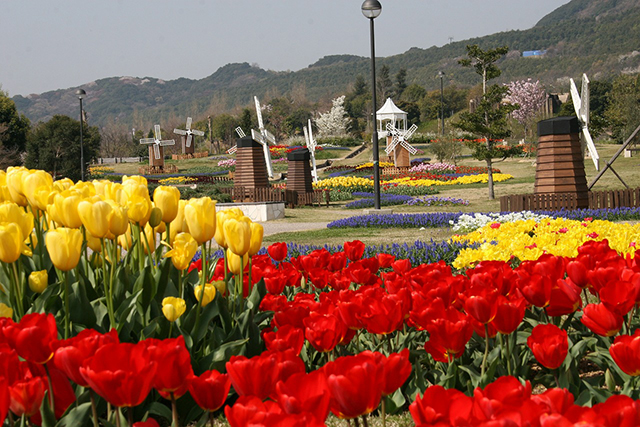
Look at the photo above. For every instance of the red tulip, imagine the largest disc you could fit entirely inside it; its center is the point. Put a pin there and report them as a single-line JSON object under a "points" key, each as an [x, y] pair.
{"points": [[396, 368], [619, 296], [481, 304], [324, 331], [171, 353], [600, 320], [210, 390], [33, 337], [71, 353], [535, 288], [554, 400], [337, 262], [251, 411], [549, 345], [354, 250], [441, 407], [382, 313], [493, 275], [625, 351], [277, 251], [449, 333], [302, 393], [5, 399], [286, 337], [564, 299], [401, 266], [618, 410], [63, 393], [149, 423], [27, 391], [258, 376], [509, 314], [354, 382], [385, 260], [121, 373]]}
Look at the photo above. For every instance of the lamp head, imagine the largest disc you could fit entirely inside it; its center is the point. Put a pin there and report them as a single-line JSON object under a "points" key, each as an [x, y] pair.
{"points": [[80, 93], [440, 74], [371, 8]]}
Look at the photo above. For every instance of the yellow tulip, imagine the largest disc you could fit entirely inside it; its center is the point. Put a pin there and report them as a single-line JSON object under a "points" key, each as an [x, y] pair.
{"points": [[62, 184], [134, 180], [85, 188], [200, 215], [237, 235], [11, 242], [5, 195], [66, 204], [64, 246], [5, 310], [148, 235], [167, 199], [257, 231], [155, 218], [38, 281], [10, 212], [37, 185], [209, 293], [14, 183], [115, 191], [95, 217], [179, 224], [221, 217], [138, 204], [236, 263], [183, 250], [94, 243], [118, 219], [173, 308], [220, 285]]}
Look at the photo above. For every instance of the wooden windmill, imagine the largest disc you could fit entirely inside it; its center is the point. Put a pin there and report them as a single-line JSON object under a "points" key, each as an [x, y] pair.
{"points": [[400, 146], [264, 138], [156, 150], [581, 106], [188, 146], [311, 146]]}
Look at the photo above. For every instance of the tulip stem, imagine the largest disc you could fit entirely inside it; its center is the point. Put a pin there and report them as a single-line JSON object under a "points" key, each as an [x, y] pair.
{"points": [[130, 416], [384, 411], [174, 410], [67, 321], [364, 421], [486, 350], [203, 281], [108, 284], [17, 292], [51, 397], [211, 418], [94, 408]]}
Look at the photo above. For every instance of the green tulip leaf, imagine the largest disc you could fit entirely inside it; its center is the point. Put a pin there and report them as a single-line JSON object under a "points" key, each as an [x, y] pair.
{"points": [[160, 410], [48, 417], [81, 311], [76, 415]]}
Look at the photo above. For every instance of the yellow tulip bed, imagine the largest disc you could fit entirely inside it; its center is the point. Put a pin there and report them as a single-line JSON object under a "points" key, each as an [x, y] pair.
{"points": [[528, 240], [466, 179]]}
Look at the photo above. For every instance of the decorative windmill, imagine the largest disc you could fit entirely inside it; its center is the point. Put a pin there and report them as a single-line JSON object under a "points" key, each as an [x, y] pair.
{"points": [[156, 150], [264, 138], [311, 145], [187, 143], [581, 105], [400, 146], [240, 134]]}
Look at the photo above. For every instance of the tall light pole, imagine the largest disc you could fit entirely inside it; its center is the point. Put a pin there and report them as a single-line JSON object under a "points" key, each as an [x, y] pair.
{"points": [[441, 75], [81, 93], [371, 9]]}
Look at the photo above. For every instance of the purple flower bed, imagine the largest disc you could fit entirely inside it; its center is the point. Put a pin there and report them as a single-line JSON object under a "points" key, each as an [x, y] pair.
{"points": [[435, 201], [385, 200], [427, 220]]}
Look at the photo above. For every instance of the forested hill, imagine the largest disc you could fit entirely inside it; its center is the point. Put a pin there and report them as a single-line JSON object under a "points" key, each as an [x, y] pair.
{"points": [[599, 37]]}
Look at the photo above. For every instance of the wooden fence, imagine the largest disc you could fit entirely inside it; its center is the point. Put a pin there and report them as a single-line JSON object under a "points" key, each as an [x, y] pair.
{"points": [[291, 198], [556, 201]]}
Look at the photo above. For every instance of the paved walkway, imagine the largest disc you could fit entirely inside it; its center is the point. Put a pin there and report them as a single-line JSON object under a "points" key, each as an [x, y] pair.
{"points": [[275, 227]]}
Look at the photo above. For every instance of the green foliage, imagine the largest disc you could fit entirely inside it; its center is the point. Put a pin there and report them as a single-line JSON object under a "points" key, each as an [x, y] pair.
{"points": [[446, 150], [624, 108], [14, 129], [205, 190], [54, 146], [341, 141]]}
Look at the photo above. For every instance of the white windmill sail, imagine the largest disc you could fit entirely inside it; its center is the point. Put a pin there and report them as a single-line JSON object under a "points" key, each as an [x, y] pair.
{"points": [[400, 137], [240, 134], [264, 137], [581, 106], [311, 145], [157, 142], [188, 132]]}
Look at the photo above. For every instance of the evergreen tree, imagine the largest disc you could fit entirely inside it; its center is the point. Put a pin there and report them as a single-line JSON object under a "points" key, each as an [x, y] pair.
{"points": [[401, 82], [384, 84], [14, 129]]}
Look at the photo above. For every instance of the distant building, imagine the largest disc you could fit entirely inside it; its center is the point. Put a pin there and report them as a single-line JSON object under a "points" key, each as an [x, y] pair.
{"points": [[528, 53]]}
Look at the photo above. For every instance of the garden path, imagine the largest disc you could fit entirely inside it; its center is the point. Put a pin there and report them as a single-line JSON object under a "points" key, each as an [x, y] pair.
{"points": [[275, 227]]}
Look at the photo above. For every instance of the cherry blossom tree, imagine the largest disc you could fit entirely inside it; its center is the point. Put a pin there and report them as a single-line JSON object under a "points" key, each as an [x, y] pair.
{"points": [[530, 97], [334, 122]]}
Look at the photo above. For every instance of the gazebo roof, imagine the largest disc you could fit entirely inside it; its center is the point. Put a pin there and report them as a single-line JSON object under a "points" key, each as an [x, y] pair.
{"points": [[389, 109]]}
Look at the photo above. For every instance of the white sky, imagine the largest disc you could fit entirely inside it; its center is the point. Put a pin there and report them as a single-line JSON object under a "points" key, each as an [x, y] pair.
{"points": [[56, 44]]}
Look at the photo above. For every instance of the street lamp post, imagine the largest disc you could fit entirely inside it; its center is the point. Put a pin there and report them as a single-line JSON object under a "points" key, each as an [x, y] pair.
{"points": [[441, 75], [371, 9], [81, 93]]}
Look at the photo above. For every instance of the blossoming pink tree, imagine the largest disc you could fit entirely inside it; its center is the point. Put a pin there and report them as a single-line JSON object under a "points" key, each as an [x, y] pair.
{"points": [[530, 96]]}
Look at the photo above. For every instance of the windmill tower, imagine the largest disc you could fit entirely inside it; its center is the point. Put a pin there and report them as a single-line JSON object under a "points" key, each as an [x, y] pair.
{"points": [[581, 106], [156, 150], [400, 146], [188, 145], [264, 138], [311, 146]]}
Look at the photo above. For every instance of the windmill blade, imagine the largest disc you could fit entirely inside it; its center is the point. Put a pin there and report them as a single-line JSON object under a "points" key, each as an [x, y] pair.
{"points": [[197, 132], [156, 132], [240, 132], [269, 137], [392, 146], [147, 141], [306, 135], [310, 131], [591, 147], [410, 148], [189, 120], [408, 134], [187, 143], [156, 151], [259, 113], [167, 142], [180, 132], [584, 107], [232, 149], [575, 97], [267, 160], [257, 136]]}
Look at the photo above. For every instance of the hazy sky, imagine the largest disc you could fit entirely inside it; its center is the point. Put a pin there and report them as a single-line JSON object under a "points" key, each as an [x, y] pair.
{"points": [[56, 44]]}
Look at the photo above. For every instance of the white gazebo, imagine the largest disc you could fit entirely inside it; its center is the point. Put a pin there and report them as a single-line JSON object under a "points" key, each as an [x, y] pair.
{"points": [[390, 113]]}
